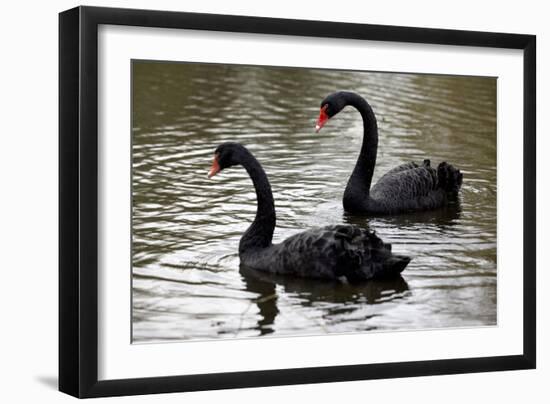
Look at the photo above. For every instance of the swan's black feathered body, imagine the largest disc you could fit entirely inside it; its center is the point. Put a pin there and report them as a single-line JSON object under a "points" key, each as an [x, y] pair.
{"points": [[331, 253], [406, 188]]}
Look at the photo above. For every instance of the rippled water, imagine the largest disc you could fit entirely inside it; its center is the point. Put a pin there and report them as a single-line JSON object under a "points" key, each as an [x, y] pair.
{"points": [[187, 283]]}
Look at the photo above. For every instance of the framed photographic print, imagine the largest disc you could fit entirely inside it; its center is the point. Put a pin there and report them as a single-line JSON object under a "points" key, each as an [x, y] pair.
{"points": [[251, 201]]}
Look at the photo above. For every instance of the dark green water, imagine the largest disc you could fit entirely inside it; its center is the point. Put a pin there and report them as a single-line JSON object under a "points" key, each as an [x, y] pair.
{"points": [[187, 283]]}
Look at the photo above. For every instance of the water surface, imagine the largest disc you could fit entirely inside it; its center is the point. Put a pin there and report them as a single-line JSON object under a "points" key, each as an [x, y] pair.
{"points": [[186, 278]]}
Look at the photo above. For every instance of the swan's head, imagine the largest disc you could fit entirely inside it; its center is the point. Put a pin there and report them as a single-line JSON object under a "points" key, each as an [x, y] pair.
{"points": [[330, 106], [226, 155]]}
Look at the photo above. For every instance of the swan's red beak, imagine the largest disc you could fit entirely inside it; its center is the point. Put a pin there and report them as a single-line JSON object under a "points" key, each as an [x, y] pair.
{"points": [[215, 167], [323, 118]]}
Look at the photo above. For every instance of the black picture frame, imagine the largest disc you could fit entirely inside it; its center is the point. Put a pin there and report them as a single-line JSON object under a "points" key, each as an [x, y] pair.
{"points": [[78, 201]]}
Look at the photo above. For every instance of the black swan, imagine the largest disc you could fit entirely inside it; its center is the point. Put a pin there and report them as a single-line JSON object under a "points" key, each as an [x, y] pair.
{"points": [[405, 188], [334, 252]]}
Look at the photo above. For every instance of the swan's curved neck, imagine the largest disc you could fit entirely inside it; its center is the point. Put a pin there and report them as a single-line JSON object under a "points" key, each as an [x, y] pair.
{"points": [[260, 232], [361, 177]]}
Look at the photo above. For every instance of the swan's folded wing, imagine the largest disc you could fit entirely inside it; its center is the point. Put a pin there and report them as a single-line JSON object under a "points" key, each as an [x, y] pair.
{"points": [[318, 252], [338, 251], [400, 168], [406, 184]]}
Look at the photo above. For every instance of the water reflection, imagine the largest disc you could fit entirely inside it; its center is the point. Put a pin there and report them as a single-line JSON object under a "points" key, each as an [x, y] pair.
{"points": [[342, 298], [186, 281], [445, 216]]}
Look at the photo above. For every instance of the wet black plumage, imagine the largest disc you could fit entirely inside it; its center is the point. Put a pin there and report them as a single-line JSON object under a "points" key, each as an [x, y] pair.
{"points": [[406, 188], [331, 253]]}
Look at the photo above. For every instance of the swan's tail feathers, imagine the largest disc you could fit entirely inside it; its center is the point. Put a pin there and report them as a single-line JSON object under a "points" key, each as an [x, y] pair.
{"points": [[373, 260], [394, 265], [449, 178], [387, 266]]}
